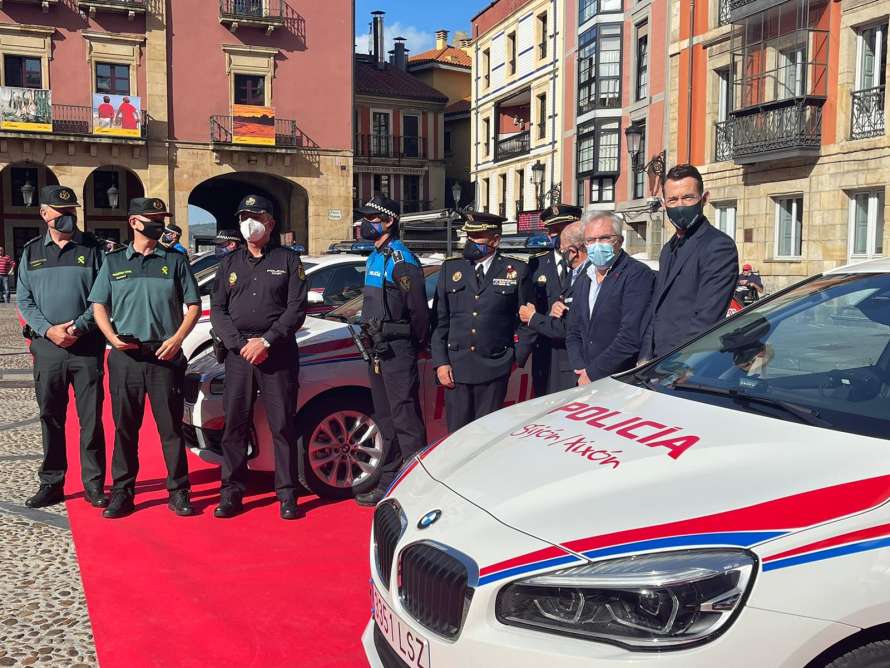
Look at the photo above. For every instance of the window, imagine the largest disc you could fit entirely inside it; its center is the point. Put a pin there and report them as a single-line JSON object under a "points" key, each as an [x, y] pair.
{"points": [[579, 193], [542, 115], [726, 218], [411, 202], [102, 181], [598, 147], [590, 8], [486, 67], [22, 72], [790, 77], [867, 224], [411, 139], [486, 193], [789, 224], [250, 89], [599, 68], [381, 184], [19, 176], [642, 62], [502, 195], [724, 94], [602, 189], [449, 146], [380, 133], [520, 190], [639, 174], [486, 137], [511, 53], [542, 35], [871, 49], [112, 79]]}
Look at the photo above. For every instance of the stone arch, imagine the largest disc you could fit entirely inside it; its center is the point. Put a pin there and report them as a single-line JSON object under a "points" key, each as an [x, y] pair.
{"points": [[98, 214], [21, 222]]}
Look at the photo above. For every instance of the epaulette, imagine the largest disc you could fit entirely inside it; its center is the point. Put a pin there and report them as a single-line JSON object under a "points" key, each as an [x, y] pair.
{"points": [[541, 254], [31, 241], [116, 250]]}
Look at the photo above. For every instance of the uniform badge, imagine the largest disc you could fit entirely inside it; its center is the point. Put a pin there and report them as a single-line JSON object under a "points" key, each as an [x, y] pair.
{"points": [[405, 283], [542, 279], [233, 278], [554, 210], [64, 195], [250, 201], [157, 204], [456, 276], [511, 273], [165, 270], [81, 259]]}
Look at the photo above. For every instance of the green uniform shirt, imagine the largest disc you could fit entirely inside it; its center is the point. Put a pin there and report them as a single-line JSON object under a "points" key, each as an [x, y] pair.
{"points": [[54, 283], [146, 293]]}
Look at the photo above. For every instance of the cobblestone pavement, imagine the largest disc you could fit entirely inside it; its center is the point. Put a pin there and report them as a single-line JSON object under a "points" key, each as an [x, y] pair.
{"points": [[43, 613]]}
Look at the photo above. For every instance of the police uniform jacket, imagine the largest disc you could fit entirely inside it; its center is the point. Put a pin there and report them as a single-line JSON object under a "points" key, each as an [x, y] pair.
{"points": [[54, 283], [549, 357], [476, 324], [259, 297], [395, 290]]}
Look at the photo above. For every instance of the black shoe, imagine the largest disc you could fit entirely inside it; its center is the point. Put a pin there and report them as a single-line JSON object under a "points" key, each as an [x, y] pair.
{"points": [[96, 497], [47, 495], [371, 498], [121, 505], [290, 510], [229, 506], [180, 504]]}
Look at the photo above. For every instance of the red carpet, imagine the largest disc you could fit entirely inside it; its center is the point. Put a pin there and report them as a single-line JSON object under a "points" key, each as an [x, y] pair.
{"points": [[197, 591]]}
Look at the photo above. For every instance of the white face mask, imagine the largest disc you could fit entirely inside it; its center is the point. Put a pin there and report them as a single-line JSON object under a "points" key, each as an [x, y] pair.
{"points": [[252, 230]]}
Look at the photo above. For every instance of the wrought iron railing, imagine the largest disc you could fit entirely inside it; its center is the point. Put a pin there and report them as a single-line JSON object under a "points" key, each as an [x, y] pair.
{"points": [[415, 205], [723, 141], [723, 12], [287, 134], [867, 113], [255, 10], [779, 128], [390, 147], [512, 146], [122, 4], [73, 119]]}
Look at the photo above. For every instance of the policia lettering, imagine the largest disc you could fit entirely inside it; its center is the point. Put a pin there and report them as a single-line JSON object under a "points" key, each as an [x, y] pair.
{"points": [[55, 276]]}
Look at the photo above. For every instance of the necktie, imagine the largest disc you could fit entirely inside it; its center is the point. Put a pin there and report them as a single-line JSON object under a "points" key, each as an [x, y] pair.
{"points": [[480, 273], [563, 272]]}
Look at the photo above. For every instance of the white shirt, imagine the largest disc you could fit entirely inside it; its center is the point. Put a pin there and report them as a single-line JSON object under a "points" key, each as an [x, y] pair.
{"points": [[594, 288], [557, 258], [486, 263]]}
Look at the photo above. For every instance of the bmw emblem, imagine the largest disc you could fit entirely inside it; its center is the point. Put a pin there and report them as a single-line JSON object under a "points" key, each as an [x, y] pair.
{"points": [[429, 519]]}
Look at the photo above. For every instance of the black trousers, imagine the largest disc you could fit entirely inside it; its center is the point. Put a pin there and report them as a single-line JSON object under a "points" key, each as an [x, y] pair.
{"points": [[132, 376], [466, 403], [82, 366], [396, 394], [276, 379]]}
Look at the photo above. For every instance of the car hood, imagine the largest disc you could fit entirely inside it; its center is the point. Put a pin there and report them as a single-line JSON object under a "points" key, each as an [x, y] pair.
{"points": [[608, 465]]}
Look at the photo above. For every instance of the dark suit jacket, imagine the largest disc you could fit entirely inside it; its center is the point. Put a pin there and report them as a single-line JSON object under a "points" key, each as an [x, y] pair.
{"points": [[608, 340], [693, 289]]}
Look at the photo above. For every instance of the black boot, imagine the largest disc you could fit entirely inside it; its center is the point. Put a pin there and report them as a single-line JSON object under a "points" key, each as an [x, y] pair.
{"points": [[229, 505], [47, 495], [290, 510], [371, 498], [180, 504], [121, 505], [96, 497]]}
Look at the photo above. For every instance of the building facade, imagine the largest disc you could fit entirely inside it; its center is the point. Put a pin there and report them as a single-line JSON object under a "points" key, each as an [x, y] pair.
{"points": [[183, 68], [781, 104], [516, 108]]}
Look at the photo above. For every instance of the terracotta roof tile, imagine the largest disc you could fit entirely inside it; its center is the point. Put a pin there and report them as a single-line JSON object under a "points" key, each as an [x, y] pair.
{"points": [[450, 55], [461, 106], [392, 82]]}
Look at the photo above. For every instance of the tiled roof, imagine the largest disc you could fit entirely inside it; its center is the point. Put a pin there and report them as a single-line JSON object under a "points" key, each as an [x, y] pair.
{"points": [[459, 107], [392, 82], [450, 55]]}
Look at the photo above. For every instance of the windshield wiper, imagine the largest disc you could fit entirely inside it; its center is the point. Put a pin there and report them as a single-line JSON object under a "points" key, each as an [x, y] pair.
{"points": [[808, 416]]}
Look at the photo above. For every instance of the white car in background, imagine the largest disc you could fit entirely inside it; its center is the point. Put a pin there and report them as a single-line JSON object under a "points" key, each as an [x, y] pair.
{"points": [[723, 506]]}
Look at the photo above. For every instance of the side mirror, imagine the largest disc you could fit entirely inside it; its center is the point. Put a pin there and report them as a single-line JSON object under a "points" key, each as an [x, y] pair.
{"points": [[315, 298]]}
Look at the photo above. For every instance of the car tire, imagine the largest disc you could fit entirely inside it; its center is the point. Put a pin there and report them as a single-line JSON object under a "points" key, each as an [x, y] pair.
{"points": [[324, 470], [871, 655]]}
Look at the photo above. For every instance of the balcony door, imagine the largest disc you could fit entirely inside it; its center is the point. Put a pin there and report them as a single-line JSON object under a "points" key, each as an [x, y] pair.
{"points": [[380, 134], [411, 136], [790, 79], [871, 51], [22, 72]]}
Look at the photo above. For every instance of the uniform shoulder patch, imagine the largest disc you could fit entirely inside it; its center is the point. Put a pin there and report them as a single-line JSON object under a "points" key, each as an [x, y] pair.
{"points": [[405, 283], [398, 256]]}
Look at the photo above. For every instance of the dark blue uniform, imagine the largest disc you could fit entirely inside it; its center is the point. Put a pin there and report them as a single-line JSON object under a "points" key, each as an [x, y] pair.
{"points": [[394, 293], [475, 328], [551, 371]]}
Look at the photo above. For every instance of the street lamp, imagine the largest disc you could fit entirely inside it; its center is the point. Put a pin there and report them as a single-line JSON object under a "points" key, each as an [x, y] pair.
{"points": [[455, 195], [538, 180], [634, 135], [113, 196], [27, 193]]}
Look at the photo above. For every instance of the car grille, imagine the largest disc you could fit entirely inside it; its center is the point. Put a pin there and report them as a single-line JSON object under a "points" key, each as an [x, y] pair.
{"points": [[433, 588], [387, 654], [190, 387], [387, 531]]}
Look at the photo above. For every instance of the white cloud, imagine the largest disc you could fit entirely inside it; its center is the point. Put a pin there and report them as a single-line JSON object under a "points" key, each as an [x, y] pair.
{"points": [[416, 40]]}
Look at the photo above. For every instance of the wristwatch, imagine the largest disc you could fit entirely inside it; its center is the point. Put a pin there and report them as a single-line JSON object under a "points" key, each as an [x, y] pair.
{"points": [[266, 343]]}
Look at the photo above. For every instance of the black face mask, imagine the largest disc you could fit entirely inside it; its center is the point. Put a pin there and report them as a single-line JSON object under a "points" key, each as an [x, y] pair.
{"points": [[222, 251], [684, 217], [475, 252], [568, 256], [370, 231], [65, 224], [153, 229]]}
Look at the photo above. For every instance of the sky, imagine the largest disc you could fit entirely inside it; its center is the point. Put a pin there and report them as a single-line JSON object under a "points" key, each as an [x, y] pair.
{"points": [[415, 20]]}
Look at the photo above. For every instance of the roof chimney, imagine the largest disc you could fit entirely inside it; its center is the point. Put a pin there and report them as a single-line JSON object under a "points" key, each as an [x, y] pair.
{"points": [[441, 39], [399, 54], [377, 38]]}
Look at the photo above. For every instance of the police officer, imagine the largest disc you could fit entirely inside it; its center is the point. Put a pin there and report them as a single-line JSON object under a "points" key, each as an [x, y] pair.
{"points": [[477, 302], [396, 317], [227, 241], [143, 288], [551, 277], [56, 274], [258, 304]]}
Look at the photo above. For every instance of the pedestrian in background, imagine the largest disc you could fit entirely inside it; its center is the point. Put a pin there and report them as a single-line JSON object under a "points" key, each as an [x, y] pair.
{"points": [[476, 310], [7, 266], [142, 289], [170, 239], [396, 316], [58, 271], [551, 324], [258, 304], [697, 272], [611, 302]]}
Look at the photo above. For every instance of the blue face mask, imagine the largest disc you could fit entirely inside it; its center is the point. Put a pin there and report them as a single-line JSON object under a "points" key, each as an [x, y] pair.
{"points": [[475, 251], [600, 254], [371, 231]]}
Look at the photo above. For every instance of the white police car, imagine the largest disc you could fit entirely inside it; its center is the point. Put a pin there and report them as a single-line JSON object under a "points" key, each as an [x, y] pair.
{"points": [[725, 505]]}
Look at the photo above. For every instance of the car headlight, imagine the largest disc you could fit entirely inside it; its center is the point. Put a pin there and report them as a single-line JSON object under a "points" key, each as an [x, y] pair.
{"points": [[654, 601]]}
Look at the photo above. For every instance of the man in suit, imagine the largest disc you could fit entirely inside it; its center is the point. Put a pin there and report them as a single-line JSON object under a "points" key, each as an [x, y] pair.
{"points": [[476, 306], [611, 302], [697, 269], [550, 279], [550, 325]]}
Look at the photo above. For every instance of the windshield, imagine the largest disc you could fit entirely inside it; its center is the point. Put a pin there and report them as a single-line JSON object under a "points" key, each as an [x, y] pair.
{"points": [[816, 354], [352, 310]]}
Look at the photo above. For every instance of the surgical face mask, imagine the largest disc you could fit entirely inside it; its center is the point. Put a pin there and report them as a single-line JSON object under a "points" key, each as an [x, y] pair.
{"points": [[65, 224], [475, 251], [601, 254], [684, 217], [153, 229], [371, 230], [252, 230]]}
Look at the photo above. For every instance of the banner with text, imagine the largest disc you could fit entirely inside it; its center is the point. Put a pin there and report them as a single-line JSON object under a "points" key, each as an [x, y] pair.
{"points": [[26, 109]]}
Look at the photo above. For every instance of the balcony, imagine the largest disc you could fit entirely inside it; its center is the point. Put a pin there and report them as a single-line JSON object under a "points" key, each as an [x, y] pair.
{"points": [[789, 129], [722, 141], [44, 4], [723, 14], [389, 148], [512, 146], [128, 7], [287, 135], [71, 119], [867, 113], [266, 14], [739, 10]]}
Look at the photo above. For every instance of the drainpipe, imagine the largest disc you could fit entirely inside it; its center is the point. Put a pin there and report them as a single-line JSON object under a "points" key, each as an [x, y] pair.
{"points": [[689, 83]]}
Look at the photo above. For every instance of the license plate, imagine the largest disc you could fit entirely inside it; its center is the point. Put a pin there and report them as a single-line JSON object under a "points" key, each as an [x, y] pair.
{"points": [[414, 649]]}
